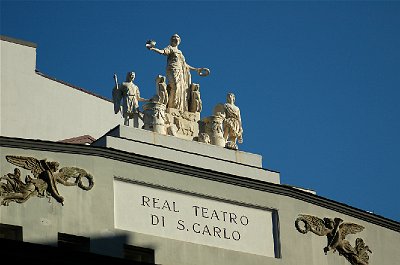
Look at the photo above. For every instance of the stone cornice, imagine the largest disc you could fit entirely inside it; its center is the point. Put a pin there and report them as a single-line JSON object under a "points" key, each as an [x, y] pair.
{"points": [[18, 41], [278, 189]]}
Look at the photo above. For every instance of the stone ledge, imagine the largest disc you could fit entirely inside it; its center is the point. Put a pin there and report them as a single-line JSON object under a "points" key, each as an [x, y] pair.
{"points": [[168, 141], [158, 146]]}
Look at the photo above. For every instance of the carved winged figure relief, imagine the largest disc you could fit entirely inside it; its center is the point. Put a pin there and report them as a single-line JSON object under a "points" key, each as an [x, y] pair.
{"points": [[336, 230], [43, 182]]}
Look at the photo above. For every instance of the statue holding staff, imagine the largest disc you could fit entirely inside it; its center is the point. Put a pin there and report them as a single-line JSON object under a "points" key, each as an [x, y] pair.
{"points": [[126, 97], [177, 72]]}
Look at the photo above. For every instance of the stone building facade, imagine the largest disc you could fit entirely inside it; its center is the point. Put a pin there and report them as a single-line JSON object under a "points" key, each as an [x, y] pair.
{"points": [[132, 196]]}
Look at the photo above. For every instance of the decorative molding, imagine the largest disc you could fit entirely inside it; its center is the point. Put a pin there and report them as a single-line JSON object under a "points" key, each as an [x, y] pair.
{"points": [[122, 156], [336, 231], [44, 180]]}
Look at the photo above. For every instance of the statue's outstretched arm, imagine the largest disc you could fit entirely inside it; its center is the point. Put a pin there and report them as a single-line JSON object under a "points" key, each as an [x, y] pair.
{"points": [[157, 50], [193, 68], [200, 71], [139, 98], [143, 99]]}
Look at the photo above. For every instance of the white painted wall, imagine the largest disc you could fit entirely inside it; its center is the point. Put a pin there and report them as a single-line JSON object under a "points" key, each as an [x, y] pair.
{"points": [[36, 107]]}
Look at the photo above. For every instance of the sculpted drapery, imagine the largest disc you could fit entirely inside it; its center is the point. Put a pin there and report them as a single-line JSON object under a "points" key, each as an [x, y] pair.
{"points": [[233, 130], [178, 74], [126, 97], [179, 78]]}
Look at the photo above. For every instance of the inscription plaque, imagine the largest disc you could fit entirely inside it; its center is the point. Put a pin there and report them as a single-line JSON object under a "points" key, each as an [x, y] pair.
{"points": [[193, 218]]}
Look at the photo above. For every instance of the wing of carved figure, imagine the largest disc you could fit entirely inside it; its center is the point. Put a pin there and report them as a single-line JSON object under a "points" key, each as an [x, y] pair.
{"points": [[117, 96], [349, 228], [29, 163]]}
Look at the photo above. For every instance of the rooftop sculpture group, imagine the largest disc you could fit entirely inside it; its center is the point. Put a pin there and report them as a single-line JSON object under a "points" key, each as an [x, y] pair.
{"points": [[176, 106]]}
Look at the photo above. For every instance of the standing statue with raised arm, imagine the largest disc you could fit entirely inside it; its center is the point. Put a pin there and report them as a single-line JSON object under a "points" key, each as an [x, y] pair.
{"points": [[126, 97], [233, 130], [178, 73]]}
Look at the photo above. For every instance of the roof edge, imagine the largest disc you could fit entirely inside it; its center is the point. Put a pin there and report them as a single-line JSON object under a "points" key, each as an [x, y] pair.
{"points": [[70, 85], [18, 41]]}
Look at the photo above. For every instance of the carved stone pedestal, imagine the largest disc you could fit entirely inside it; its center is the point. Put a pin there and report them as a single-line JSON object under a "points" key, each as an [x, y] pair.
{"points": [[182, 124], [213, 127], [154, 118]]}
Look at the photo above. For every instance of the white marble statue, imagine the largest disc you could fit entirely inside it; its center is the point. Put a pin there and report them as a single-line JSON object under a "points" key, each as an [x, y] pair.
{"points": [[232, 124], [161, 96], [126, 97], [195, 100], [178, 73]]}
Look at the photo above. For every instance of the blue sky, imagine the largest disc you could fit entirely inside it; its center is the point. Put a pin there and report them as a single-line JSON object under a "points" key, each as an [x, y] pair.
{"points": [[317, 82]]}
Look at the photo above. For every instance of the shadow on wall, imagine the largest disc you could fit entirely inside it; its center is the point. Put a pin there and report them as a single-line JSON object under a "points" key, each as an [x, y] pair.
{"points": [[75, 250]]}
